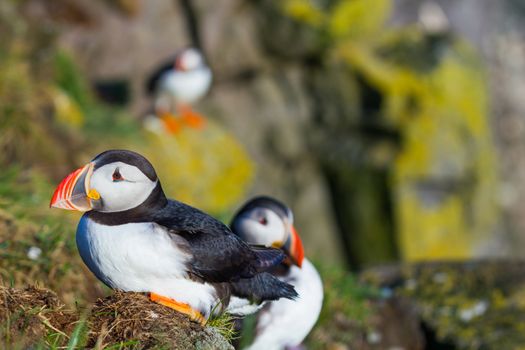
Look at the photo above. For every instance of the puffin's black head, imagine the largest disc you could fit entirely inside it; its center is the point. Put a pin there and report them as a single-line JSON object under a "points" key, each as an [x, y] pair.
{"points": [[114, 181], [266, 221]]}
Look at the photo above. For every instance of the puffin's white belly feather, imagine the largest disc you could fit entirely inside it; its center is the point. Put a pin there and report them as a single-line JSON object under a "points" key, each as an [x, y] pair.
{"points": [[187, 87], [287, 322], [142, 257]]}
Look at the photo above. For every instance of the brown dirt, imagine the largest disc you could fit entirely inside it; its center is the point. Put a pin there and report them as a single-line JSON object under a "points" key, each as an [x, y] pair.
{"points": [[28, 314]]}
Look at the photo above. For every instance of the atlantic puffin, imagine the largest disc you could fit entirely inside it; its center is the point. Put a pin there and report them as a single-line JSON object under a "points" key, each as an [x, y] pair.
{"points": [[283, 323], [135, 239], [177, 85]]}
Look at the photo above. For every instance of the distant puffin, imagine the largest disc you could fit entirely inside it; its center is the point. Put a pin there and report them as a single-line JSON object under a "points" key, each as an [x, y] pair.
{"points": [[281, 324], [177, 85], [135, 239]]}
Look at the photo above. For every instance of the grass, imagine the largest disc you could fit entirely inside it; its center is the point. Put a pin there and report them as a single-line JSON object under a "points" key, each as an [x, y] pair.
{"points": [[26, 222], [346, 309], [78, 337], [224, 324]]}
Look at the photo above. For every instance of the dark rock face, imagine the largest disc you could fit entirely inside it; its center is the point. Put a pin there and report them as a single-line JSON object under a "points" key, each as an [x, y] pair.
{"points": [[393, 323], [396, 325]]}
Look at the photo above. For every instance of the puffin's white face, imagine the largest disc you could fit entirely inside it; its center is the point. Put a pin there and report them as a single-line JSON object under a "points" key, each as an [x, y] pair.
{"points": [[191, 59], [121, 186], [116, 180], [266, 221], [261, 226]]}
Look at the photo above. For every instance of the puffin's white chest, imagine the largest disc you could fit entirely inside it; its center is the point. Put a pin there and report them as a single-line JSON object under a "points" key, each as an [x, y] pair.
{"points": [[187, 87], [141, 257]]}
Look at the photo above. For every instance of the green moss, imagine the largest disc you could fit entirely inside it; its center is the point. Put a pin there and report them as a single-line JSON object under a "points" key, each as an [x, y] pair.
{"points": [[473, 305], [346, 311]]}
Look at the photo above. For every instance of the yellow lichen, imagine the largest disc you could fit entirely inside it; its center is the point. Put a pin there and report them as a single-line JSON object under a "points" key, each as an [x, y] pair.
{"points": [[352, 18], [205, 167], [304, 11]]}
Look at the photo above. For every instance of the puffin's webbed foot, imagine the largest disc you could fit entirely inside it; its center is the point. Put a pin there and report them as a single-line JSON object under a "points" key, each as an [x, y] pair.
{"points": [[193, 314], [171, 122], [191, 118]]}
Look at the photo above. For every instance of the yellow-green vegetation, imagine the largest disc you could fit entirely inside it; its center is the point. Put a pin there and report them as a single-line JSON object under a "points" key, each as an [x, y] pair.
{"points": [[37, 245], [432, 91]]}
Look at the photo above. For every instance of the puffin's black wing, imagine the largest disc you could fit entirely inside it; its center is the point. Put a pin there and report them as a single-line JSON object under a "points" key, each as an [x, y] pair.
{"points": [[153, 80], [218, 254]]}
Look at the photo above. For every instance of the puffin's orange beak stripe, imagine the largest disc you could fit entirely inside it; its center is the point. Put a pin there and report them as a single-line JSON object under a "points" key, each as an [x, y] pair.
{"points": [[294, 247], [72, 192], [178, 64]]}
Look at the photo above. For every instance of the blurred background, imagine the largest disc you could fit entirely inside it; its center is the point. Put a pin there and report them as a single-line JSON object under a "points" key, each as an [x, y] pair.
{"points": [[394, 129]]}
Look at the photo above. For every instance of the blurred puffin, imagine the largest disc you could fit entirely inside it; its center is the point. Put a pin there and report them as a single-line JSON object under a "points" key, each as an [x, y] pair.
{"points": [[283, 323], [177, 85], [135, 239]]}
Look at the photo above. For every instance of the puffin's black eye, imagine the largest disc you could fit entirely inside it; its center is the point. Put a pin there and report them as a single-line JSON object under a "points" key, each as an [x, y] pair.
{"points": [[117, 176], [263, 220]]}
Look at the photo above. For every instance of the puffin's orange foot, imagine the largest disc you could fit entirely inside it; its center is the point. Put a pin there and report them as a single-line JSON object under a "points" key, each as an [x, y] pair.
{"points": [[191, 118], [193, 314], [171, 123]]}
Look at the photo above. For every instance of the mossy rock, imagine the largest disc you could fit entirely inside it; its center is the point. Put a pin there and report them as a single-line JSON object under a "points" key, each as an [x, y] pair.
{"points": [[286, 37], [465, 305]]}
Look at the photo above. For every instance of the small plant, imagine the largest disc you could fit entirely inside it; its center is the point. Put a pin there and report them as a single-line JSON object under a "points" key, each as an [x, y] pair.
{"points": [[224, 324]]}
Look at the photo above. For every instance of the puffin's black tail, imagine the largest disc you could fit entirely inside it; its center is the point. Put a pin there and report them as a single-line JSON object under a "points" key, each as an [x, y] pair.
{"points": [[263, 287]]}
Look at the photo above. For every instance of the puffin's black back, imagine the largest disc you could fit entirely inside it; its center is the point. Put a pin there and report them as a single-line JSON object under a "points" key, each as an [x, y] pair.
{"points": [[218, 254], [153, 80], [221, 256]]}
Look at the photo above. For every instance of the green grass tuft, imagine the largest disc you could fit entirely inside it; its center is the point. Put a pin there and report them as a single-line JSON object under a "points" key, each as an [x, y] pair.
{"points": [[224, 324]]}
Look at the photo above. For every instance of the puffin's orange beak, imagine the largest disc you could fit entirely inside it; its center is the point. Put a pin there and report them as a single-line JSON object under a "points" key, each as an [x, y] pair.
{"points": [[73, 192], [179, 65], [294, 247]]}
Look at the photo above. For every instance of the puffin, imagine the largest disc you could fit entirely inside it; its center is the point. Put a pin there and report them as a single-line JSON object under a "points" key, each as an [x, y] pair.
{"points": [[283, 323], [176, 86], [133, 238]]}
